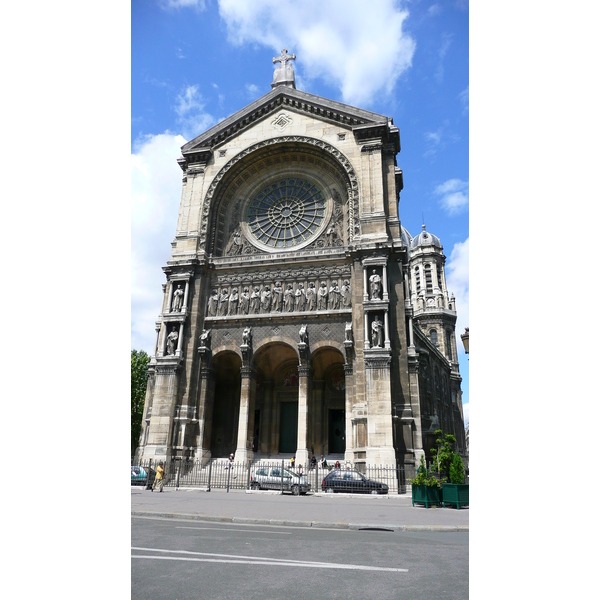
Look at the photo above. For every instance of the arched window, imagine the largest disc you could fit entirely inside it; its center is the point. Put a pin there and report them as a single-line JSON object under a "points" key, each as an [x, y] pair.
{"points": [[433, 336], [448, 344], [428, 282]]}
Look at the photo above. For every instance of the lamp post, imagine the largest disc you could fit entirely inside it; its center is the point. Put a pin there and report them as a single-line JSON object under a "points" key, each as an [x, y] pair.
{"points": [[465, 340]]}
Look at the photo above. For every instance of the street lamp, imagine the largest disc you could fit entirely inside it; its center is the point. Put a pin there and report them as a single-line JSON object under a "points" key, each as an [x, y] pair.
{"points": [[465, 340]]}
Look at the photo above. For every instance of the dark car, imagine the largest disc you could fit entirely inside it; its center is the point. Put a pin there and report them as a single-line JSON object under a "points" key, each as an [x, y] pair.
{"points": [[351, 482]]}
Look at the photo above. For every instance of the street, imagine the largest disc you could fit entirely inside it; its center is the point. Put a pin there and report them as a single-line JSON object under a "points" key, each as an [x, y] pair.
{"points": [[180, 559]]}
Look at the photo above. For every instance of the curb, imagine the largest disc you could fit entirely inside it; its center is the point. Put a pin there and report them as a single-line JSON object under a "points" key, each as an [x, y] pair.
{"points": [[315, 524]]}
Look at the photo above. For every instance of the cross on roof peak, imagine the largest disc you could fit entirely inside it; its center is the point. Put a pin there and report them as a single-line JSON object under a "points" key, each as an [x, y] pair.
{"points": [[284, 58]]}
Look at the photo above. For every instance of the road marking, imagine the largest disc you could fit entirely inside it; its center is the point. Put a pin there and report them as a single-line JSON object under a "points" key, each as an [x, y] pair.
{"points": [[256, 560], [251, 531]]}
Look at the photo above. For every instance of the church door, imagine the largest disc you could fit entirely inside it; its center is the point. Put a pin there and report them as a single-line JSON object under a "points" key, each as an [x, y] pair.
{"points": [[337, 426], [288, 438]]}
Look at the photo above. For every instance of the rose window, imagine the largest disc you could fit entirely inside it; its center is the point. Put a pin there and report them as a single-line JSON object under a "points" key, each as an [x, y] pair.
{"points": [[287, 213]]}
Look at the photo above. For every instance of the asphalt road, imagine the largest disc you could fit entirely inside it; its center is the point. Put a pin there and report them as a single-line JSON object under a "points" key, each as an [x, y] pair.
{"points": [[181, 559]]}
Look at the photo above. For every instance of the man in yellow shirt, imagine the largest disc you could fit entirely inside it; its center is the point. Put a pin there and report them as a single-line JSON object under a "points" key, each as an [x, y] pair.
{"points": [[158, 480]]}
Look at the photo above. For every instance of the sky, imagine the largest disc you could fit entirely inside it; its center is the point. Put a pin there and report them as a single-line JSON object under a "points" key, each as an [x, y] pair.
{"points": [[196, 62]]}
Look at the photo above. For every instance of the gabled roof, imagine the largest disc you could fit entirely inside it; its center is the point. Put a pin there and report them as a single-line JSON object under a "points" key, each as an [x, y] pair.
{"points": [[364, 123]]}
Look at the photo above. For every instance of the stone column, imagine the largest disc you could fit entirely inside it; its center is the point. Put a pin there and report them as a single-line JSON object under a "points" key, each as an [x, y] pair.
{"points": [[385, 284], [350, 442], [170, 298], [367, 331], [304, 388], [163, 345], [185, 296], [205, 410], [244, 452], [157, 327], [179, 340], [386, 330], [366, 285]]}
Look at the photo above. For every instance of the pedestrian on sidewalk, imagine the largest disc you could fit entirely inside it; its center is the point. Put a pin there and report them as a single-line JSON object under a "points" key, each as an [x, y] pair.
{"points": [[158, 480]]}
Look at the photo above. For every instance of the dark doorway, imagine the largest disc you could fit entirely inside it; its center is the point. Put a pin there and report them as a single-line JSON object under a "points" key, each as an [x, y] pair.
{"points": [[337, 427], [256, 430], [288, 439]]}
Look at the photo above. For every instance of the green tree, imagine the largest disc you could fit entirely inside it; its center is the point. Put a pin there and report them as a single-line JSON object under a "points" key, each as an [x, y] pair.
{"points": [[139, 379], [446, 459]]}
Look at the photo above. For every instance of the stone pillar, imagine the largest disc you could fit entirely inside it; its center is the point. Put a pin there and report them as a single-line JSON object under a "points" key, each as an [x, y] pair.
{"points": [[170, 298], [179, 340], [163, 345], [157, 327], [366, 285], [386, 330], [349, 385], [205, 411], [367, 331], [304, 389], [185, 296], [413, 377], [243, 452], [163, 408], [385, 284]]}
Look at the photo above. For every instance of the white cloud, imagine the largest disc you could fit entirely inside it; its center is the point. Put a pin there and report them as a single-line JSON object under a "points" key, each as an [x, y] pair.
{"points": [[199, 5], [464, 100], [466, 413], [190, 112], [454, 195], [253, 90], [457, 281], [332, 40], [155, 198]]}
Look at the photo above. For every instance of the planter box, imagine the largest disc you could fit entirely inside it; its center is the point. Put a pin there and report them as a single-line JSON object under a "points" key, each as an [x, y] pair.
{"points": [[423, 494], [455, 494]]}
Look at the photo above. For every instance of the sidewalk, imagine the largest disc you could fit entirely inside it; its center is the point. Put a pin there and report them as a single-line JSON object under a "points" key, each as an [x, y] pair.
{"points": [[341, 511]]}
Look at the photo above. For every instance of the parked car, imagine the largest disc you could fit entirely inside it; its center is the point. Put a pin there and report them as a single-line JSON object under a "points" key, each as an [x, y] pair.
{"points": [[269, 478], [351, 482], [139, 476]]}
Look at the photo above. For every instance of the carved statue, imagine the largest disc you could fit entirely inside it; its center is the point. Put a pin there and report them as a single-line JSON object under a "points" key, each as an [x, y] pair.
{"points": [[233, 301], [289, 298], [205, 338], [346, 294], [236, 243], [377, 333], [348, 332], [223, 302], [244, 302], [304, 333], [247, 336], [300, 298], [213, 303], [255, 301], [171, 341], [177, 299], [334, 296], [311, 297], [277, 297], [375, 285], [322, 297], [265, 300]]}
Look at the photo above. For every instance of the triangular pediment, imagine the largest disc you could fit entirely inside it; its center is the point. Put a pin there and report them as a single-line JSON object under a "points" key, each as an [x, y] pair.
{"points": [[294, 100]]}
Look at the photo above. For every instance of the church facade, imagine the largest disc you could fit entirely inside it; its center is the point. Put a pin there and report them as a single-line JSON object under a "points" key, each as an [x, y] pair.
{"points": [[299, 317]]}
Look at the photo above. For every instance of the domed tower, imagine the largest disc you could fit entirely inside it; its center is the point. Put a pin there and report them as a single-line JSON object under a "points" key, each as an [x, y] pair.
{"points": [[434, 311]]}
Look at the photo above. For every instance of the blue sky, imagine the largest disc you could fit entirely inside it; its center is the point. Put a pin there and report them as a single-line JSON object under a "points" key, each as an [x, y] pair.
{"points": [[194, 63]]}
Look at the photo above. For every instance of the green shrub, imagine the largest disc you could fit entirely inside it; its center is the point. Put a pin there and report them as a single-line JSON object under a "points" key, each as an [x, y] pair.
{"points": [[457, 470], [424, 477]]}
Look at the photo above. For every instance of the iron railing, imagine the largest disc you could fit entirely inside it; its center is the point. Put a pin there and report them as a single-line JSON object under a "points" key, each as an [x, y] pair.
{"points": [[221, 474]]}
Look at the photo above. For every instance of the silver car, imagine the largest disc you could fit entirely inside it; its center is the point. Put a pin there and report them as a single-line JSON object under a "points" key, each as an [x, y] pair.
{"points": [[269, 478]]}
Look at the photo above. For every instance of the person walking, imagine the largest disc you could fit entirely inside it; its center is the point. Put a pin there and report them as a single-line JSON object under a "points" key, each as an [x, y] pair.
{"points": [[159, 479]]}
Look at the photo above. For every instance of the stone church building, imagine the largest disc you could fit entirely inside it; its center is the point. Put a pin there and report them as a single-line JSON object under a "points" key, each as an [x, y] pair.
{"points": [[299, 316]]}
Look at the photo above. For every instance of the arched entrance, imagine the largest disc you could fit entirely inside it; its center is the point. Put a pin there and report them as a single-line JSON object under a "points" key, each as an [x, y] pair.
{"points": [[327, 410], [276, 402]]}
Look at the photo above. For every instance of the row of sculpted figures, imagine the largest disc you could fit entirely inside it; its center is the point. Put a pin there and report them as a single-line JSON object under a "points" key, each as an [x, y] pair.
{"points": [[281, 298]]}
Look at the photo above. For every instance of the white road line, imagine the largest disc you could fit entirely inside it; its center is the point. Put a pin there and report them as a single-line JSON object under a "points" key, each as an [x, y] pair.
{"points": [[252, 531], [255, 560]]}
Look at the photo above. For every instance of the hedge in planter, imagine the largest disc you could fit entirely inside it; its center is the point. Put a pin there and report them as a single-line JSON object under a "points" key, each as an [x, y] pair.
{"points": [[425, 487], [456, 492]]}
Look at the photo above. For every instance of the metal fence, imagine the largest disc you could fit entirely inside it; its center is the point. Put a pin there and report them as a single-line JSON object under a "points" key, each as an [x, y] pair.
{"points": [[219, 473]]}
